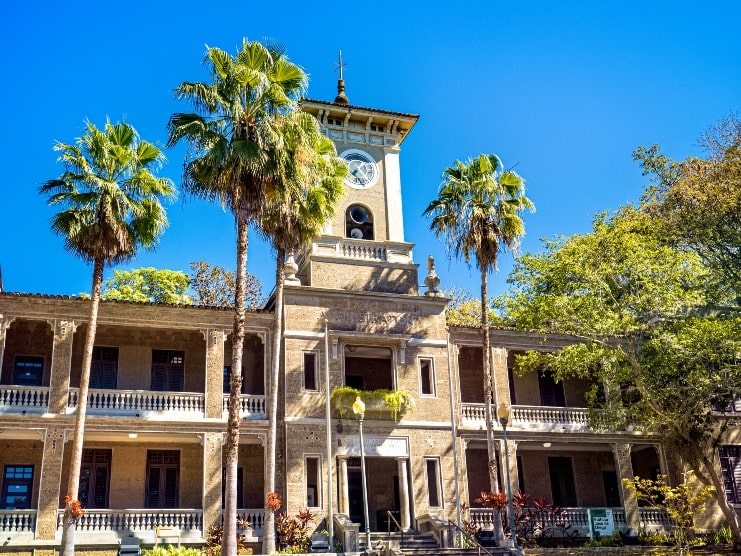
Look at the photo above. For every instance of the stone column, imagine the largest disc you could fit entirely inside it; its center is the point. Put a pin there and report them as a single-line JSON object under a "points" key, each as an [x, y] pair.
{"points": [[214, 386], [344, 501], [50, 483], [4, 325], [500, 380], [212, 442], [625, 471], [61, 363], [404, 494]]}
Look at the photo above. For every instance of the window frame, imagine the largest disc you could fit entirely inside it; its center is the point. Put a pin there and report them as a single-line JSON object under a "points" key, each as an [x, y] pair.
{"points": [[95, 459], [98, 367], [435, 462], [318, 486], [431, 377], [314, 354], [170, 368], [26, 359], [162, 479], [26, 481]]}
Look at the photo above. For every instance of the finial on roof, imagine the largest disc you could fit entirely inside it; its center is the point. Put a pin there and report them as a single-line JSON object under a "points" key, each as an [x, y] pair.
{"points": [[341, 97]]}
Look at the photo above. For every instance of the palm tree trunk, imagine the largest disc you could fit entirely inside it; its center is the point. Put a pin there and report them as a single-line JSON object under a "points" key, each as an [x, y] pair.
{"points": [[269, 529], [488, 388], [73, 478], [229, 538]]}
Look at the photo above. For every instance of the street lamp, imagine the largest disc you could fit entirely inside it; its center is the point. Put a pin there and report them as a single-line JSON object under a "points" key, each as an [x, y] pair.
{"points": [[503, 415], [358, 408]]}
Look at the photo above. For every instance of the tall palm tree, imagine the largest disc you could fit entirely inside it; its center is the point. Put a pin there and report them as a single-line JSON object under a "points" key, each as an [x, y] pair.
{"points": [[235, 159], [306, 200], [113, 206], [477, 210]]}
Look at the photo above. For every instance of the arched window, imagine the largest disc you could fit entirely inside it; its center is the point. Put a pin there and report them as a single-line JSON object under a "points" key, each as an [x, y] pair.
{"points": [[358, 222]]}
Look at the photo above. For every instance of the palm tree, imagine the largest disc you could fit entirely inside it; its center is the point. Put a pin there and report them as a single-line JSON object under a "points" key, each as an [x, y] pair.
{"points": [[477, 210], [306, 201], [235, 159], [113, 206]]}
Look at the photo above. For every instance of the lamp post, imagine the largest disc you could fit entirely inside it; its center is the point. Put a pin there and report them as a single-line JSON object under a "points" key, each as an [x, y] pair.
{"points": [[503, 414], [358, 408]]}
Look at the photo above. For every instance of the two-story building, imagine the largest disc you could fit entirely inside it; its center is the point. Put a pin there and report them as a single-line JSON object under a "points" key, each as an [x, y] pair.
{"points": [[354, 318]]}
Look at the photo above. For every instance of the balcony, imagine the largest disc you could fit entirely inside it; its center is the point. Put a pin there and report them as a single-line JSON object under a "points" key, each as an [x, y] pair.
{"points": [[142, 523], [577, 520], [347, 248], [17, 521], [142, 403], [250, 406], [17, 399], [532, 417]]}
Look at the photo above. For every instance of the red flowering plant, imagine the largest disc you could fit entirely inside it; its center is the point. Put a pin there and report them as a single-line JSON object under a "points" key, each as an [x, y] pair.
{"points": [[274, 502], [75, 507]]}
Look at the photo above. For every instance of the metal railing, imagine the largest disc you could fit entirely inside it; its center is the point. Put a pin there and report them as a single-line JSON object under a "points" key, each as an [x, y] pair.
{"points": [[468, 538], [389, 518]]}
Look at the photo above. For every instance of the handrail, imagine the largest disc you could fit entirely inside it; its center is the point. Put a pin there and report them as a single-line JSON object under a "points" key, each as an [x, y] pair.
{"points": [[468, 536], [398, 526]]}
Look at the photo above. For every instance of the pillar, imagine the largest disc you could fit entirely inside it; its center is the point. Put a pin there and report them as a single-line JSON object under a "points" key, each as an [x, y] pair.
{"points": [[500, 379], [5, 322], [50, 483], [61, 362], [405, 520], [212, 442], [344, 501], [625, 471], [214, 387]]}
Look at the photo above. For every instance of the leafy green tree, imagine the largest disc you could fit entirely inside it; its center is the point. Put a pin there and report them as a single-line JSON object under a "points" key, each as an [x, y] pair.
{"points": [[307, 200], [477, 211], [641, 307], [148, 285], [698, 201], [112, 199], [214, 286], [464, 309], [236, 158]]}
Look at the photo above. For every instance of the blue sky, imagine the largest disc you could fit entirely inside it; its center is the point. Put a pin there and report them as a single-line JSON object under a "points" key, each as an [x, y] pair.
{"points": [[563, 91]]}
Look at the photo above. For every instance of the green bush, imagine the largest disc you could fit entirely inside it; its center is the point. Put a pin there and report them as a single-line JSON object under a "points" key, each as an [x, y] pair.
{"points": [[613, 540]]}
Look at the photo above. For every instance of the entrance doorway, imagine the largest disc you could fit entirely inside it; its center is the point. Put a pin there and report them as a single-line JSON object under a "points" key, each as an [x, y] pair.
{"points": [[355, 493]]}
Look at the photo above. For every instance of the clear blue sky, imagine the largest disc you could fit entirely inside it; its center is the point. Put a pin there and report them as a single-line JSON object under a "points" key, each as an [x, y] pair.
{"points": [[564, 91]]}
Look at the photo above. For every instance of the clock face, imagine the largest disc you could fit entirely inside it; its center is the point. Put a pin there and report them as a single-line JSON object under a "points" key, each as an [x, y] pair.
{"points": [[362, 169]]}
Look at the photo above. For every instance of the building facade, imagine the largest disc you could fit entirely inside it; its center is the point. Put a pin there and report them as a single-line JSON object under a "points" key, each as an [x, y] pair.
{"points": [[355, 318]]}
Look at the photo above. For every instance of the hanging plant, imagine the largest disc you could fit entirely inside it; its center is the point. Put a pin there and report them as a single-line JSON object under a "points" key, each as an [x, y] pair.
{"points": [[397, 401]]}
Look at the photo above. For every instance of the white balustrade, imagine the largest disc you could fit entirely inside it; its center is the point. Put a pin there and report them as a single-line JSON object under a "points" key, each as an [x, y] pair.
{"points": [[107, 401], [255, 517], [136, 520], [24, 398], [17, 521], [532, 416], [362, 250], [250, 406]]}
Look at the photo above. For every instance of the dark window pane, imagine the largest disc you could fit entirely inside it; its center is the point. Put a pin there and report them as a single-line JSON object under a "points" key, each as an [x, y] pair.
{"points": [[433, 481], [28, 371], [310, 370]]}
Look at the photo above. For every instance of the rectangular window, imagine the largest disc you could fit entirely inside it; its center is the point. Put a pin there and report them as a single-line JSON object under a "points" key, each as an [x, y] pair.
{"points": [[563, 490], [240, 487], [511, 378], [551, 392], [17, 486], [104, 367], [427, 377], [520, 475], [163, 479], [730, 465], [95, 477], [28, 371], [310, 370], [168, 370], [433, 482], [313, 482]]}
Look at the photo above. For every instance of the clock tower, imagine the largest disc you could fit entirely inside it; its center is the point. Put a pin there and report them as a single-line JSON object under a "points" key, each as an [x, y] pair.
{"points": [[362, 248]]}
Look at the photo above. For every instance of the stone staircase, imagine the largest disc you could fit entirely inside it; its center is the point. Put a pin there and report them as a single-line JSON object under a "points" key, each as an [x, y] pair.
{"points": [[417, 544]]}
